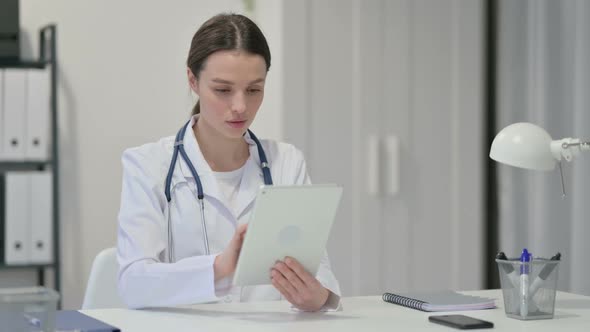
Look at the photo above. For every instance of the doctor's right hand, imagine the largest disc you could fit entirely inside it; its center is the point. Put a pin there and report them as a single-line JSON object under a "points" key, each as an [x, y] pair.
{"points": [[225, 263]]}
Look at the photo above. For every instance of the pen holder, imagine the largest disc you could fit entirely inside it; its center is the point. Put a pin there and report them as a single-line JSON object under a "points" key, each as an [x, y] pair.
{"points": [[28, 309], [528, 287]]}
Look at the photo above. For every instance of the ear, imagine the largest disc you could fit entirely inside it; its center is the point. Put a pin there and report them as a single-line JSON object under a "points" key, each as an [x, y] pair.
{"points": [[192, 81]]}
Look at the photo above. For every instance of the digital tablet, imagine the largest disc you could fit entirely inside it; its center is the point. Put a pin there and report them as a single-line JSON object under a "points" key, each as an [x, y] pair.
{"points": [[290, 221]]}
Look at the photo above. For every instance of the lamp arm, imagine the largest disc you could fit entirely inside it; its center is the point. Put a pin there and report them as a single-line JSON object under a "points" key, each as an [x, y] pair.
{"points": [[568, 148], [582, 145]]}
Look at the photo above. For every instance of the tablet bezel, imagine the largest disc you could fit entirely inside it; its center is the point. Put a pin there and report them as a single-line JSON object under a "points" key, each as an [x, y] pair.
{"points": [[279, 228]]}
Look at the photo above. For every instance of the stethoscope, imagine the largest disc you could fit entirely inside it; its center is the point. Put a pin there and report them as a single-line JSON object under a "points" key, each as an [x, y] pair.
{"points": [[179, 148]]}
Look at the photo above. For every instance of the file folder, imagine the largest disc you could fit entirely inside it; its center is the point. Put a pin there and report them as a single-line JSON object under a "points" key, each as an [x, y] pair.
{"points": [[16, 219], [13, 122], [41, 198], [2, 216], [37, 115], [1, 113], [71, 320]]}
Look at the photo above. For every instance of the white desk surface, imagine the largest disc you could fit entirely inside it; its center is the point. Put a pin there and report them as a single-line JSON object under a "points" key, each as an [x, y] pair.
{"points": [[370, 313]]}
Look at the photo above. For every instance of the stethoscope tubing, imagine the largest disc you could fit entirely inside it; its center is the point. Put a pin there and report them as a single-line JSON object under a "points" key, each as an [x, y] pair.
{"points": [[179, 148]]}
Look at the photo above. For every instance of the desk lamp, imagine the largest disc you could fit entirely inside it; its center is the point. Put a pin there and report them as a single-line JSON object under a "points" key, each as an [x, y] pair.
{"points": [[528, 146]]}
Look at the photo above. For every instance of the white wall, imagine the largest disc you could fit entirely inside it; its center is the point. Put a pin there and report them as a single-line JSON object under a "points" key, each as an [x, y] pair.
{"points": [[376, 69], [544, 78], [122, 83]]}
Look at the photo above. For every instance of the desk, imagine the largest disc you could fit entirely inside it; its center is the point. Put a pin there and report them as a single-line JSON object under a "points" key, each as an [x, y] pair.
{"points": [[370, 313]]}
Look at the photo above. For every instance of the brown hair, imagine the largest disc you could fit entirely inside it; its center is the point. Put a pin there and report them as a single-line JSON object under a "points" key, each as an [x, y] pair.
{"points": [[225, 32]]}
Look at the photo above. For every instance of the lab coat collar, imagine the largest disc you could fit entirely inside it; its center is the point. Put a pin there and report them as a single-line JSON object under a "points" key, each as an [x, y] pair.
{"points": [[252, 177], [193, 152], [251, 181]]}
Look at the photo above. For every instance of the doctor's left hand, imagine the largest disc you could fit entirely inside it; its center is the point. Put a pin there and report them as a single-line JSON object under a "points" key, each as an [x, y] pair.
{"points": [[298, 286]]}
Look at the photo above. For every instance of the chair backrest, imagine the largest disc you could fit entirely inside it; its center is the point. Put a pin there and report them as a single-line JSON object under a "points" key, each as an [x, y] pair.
{"points": [[101, 291]]}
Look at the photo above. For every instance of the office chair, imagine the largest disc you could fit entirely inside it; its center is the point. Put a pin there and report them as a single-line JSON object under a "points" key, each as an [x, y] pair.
{"points": [[101, 291]]}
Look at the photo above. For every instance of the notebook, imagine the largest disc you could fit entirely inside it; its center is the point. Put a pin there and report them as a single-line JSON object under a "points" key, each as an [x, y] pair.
{"points": [[71, 320], [440, 301]]}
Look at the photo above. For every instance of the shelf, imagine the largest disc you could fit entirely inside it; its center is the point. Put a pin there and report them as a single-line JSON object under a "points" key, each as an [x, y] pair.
{"points": [[8, 166], [24, 266], [23, 64], [47, 59]]}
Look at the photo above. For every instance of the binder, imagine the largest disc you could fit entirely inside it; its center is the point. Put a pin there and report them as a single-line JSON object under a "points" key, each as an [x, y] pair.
{"points": [[41, 235], [16, 218], [15, 84], [440, 301], [2, 217], [37, 115], [1, 113]]}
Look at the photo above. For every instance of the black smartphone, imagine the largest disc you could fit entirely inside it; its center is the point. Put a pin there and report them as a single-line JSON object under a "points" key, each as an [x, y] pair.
{"points": [[461, 322]]}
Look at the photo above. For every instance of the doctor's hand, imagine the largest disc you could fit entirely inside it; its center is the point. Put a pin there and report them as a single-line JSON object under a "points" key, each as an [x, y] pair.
{"points": [[225, 263], [298, 286]]}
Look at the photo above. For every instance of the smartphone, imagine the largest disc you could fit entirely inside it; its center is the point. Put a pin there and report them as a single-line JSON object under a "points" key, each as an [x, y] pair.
{"points": [[461, 322]]}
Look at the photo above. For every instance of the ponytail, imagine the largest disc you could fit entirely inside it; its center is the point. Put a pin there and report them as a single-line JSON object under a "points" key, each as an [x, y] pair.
{"points": [[196, 108]]}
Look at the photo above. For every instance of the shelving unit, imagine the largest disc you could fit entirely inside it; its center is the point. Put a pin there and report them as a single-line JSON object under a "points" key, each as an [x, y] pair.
{"points": [[47, 60]]}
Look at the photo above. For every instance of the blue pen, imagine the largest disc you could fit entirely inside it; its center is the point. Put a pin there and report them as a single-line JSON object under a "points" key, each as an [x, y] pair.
{"points": [[525, 259]]}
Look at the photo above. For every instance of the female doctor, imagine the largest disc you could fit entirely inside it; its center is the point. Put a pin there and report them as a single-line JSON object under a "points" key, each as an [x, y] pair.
{"points": [[186, 199]]}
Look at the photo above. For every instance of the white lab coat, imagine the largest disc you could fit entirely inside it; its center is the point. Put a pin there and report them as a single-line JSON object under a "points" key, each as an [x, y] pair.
{"points": [[146, 278]]}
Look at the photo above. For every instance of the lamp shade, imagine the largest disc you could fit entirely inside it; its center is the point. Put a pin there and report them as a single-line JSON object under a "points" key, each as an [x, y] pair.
{"points": [[523, 145]]}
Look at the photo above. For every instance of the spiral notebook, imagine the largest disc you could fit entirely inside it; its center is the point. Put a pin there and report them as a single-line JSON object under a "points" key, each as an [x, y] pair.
{"points": [[440, 301]]}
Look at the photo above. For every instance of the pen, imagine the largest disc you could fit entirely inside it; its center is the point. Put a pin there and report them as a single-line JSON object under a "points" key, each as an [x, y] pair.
{"points": [[33, 321], [502, 256], [509, 270], [36, 322], [525, 259], [545, 272]]}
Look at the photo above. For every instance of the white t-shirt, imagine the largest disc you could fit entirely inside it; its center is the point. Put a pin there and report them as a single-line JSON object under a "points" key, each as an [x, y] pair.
{"points": [[229, 184]]}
